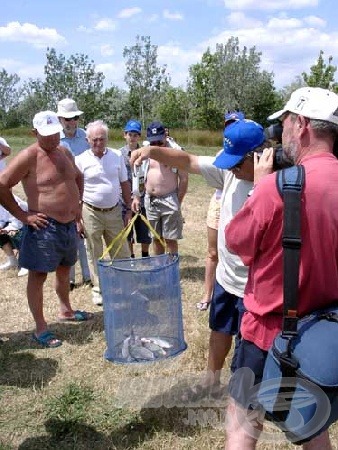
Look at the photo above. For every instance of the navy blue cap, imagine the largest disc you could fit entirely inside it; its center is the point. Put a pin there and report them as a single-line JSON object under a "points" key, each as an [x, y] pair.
{"points": [[234, 115], [133, 125], [240, 138], [155, 132]]}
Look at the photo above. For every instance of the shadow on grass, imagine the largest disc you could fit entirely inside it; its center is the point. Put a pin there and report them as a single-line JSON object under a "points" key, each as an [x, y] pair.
{"points": [[76, 435], [192, 273], [135, 429]]}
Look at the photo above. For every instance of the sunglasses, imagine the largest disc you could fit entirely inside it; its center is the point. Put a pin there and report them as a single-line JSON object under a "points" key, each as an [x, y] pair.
{"points": [[157, 143], [68, 119], [240, 164]]}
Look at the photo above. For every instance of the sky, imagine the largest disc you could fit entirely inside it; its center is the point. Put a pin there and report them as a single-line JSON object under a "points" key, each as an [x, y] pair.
{"points": [[289, 34]]}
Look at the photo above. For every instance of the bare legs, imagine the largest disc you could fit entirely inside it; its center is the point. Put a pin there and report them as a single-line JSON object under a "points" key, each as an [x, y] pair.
{"points": [[172, 246], [210, 265], [35, 284], [219, 347]]}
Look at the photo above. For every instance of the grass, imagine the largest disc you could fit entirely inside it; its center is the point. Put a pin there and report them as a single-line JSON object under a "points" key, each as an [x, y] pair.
{"points": [[72, 398]]}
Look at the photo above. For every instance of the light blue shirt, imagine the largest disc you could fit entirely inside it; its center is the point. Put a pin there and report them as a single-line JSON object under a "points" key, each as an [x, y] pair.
{"points": [[78, 143]]}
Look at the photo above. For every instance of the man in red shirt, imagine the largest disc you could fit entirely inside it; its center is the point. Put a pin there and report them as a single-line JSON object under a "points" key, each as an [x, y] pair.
{"points": [[310, 127]]}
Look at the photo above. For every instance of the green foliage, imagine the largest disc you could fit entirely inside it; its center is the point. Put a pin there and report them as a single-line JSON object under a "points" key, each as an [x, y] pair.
{"points": [[321, 74], [70, 409], [9, 98], [76, 78], [230, 79], [143, 77], [172, 107]]}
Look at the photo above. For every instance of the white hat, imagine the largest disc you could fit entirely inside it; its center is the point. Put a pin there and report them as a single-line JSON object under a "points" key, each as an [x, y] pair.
{"points": [[68, 108], [312, 102], [47, 123]]}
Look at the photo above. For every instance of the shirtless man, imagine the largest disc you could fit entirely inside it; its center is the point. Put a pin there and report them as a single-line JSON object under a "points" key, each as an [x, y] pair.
{"points": [[53, 186], [165, 189]]}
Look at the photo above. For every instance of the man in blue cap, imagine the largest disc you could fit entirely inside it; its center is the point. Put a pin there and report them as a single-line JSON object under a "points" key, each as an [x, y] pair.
{"points": [[232, 171], [132, 135]]}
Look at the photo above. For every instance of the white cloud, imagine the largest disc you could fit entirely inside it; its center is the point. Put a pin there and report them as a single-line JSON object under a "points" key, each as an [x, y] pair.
{"points": [[172, 16], [277, 23], [105, 25], [114, 73], [236, 19], [315, 21], [269, 5], [83, 29], [31, 34], [106, 50], [128, 12]]}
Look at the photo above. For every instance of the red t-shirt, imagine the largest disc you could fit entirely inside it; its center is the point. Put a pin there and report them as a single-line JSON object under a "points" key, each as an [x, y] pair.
{"points": [[255, 234]]}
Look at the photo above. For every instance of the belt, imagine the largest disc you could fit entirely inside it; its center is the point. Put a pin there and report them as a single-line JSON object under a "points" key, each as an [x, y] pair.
{"points": [[94, 208]]}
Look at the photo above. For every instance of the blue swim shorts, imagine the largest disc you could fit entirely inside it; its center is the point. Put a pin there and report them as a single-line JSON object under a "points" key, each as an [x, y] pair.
{"points": [[226, 311], [45, 249]]}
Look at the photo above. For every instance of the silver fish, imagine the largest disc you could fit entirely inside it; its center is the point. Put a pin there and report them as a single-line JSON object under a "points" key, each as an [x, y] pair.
{"points": [[160, 342], [150, 345], [138, 352]]}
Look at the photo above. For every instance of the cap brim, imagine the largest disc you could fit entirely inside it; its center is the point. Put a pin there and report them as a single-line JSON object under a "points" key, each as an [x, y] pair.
{"points": [[160, 137], [277, 114], [131, 130], [226, 161], [50, 130], [68, 115]]}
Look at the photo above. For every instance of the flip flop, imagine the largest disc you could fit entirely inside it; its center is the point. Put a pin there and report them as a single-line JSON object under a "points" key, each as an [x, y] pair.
{"points": [[202, 306], [78, 316], [47, 339]]}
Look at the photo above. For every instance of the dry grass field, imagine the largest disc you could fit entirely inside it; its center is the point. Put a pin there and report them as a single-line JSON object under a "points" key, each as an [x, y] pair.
{"points": [[72, 398]]}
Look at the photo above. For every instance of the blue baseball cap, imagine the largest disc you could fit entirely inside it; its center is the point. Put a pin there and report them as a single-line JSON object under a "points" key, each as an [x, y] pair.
{"points": [[155, 132], [133, 125], [234, 115], [240, 138]]}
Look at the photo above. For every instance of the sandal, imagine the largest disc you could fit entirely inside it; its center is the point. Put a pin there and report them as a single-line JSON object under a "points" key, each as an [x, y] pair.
{"points": [[202, 306], [47, 339], [78, 316]]}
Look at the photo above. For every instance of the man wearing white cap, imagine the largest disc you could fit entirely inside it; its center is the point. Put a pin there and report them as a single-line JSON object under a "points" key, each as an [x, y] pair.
{"points": [[53, 186], [75, 138], [310, 129]]}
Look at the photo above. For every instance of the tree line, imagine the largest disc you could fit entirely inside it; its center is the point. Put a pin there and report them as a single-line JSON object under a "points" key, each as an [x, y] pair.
{"points": [[228, 78]]}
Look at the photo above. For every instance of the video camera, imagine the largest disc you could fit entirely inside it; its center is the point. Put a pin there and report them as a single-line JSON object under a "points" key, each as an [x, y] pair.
{"points": [[274, 132]]}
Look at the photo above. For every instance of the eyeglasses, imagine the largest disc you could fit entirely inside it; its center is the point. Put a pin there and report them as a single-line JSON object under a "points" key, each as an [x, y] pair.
{"points": [[239, 165], [158, 143], [68, 119]]}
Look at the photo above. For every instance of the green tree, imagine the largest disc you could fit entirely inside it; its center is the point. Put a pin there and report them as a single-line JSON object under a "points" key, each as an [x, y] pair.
{"points": [[9, 98], [115, 107], [144, 77], [76, 78], [230, 78], [172, 107], [321, 74]]}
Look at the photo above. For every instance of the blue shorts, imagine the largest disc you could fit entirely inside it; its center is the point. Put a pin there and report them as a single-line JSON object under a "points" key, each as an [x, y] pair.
{"points": [[45, 249], [226, 311], [140, 229], [244, 389]]}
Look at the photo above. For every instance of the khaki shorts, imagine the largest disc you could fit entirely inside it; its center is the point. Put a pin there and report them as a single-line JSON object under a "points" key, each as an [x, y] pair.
{"points": [[164, 215]]}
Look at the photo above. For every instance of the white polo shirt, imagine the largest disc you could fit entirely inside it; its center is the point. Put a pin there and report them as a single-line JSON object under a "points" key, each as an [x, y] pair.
{"points": [[102, 177]]}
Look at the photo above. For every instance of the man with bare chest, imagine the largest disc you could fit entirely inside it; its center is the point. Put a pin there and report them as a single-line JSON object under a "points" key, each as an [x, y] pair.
{"points": [[165, 189], [53, 186]]}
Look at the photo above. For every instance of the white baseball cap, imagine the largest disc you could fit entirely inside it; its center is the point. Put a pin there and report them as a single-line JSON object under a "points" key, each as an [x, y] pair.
{"points": [[312, 102], [67, 108], [47, 123]]}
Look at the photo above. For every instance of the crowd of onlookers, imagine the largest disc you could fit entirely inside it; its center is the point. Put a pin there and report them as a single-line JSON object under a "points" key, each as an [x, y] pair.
{"points": [[81, 194]]}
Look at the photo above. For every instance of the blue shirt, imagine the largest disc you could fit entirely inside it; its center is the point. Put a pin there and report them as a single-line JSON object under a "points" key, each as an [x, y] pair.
{"points": [[78, 143]]}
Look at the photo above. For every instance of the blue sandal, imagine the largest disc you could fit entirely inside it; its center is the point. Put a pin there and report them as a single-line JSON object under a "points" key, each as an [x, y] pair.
{"points": [[78, 316], [47, 339]]}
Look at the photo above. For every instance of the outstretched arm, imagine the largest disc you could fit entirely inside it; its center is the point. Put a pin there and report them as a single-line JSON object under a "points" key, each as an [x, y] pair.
{"points": [[170, 156]]}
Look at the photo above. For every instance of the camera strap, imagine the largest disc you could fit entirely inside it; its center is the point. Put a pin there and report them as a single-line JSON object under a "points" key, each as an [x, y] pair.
{"points": [[290, 182]]}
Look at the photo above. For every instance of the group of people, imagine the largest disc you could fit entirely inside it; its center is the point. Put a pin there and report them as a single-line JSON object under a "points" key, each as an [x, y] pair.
{"points": [[70, 195], [79, 197], [247, 299]]}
